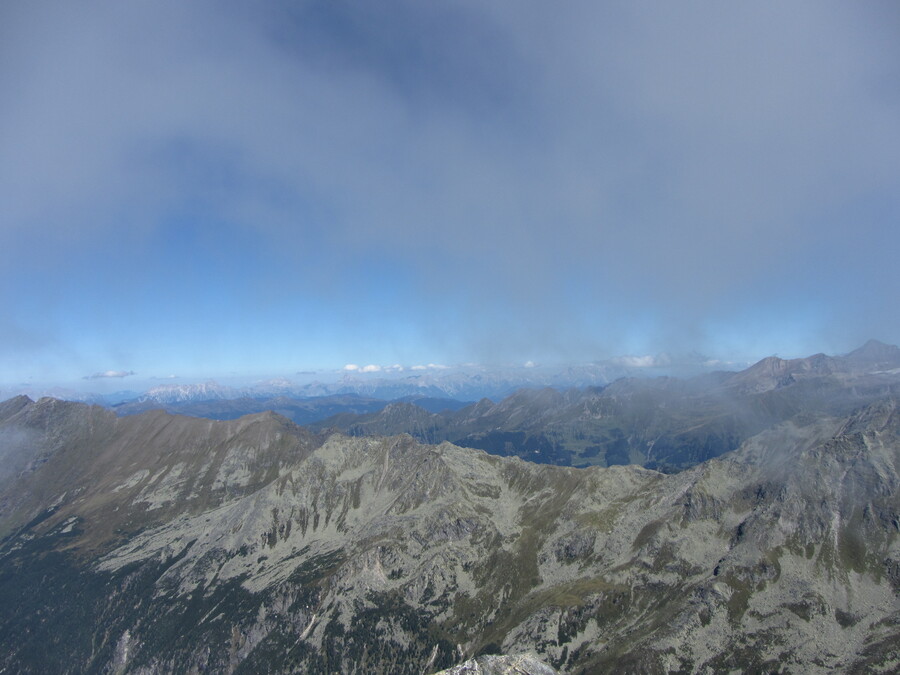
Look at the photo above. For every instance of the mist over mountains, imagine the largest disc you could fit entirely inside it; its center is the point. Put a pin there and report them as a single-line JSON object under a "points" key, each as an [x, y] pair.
{"points": [[662, 423], [576, 416], [152, 542], [285, 291]]}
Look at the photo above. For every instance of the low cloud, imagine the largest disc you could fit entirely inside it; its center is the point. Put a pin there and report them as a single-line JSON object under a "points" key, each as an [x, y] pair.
{"points": [[371, 368], [430, 366], [109, 373], [637, 361]]}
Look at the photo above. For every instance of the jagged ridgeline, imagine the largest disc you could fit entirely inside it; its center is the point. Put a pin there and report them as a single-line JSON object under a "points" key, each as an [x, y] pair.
{"points": [[663, 423], [157, 543]]}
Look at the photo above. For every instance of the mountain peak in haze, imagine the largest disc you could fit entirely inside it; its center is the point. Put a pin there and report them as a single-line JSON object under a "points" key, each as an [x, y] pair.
{"points": [[876, 353], [773, 372]]}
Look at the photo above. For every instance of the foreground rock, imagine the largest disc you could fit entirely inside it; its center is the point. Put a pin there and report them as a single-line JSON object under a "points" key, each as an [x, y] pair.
{"points": [[524, 664]]}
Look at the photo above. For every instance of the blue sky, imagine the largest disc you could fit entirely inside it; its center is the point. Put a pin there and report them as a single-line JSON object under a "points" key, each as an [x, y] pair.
{"points": [[210, 188]]}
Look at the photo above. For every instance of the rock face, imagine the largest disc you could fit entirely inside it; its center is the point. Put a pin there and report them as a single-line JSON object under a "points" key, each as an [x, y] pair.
{"points": [[524, 664], [156, 543]]}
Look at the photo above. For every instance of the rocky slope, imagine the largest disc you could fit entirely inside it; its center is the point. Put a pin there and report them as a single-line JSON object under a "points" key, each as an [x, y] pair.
{"points": [[157, 543], [523, 664]]}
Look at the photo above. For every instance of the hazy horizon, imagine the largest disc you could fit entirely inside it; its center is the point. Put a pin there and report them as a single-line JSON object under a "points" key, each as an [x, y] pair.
{"points": [[628, 365], [205, 189]]}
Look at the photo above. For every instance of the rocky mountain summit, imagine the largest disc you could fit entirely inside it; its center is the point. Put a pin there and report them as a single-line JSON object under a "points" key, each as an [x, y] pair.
{"points": [[156, 543]]}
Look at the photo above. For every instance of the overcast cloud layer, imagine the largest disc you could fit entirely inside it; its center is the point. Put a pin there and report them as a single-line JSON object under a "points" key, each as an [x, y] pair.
{"points": [[213, 187]]}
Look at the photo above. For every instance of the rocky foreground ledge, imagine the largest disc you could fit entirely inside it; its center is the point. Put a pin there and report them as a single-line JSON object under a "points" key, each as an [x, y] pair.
{"points": [[521, 664]]}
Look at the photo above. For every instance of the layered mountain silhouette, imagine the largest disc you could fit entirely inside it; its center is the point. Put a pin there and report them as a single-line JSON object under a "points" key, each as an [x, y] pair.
{"points": [[662, 423], [156, 543], [298, 410]]}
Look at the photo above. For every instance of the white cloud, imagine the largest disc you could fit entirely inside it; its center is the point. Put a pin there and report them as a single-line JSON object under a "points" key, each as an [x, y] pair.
{"points": [[530, 364], [647, 361], [109, 373], [354, 368]]}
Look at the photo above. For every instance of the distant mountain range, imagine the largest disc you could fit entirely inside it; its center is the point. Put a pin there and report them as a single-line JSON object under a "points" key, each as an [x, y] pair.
{"points": [[298, 410], [662, 423], [462, 383], [154, 543]]}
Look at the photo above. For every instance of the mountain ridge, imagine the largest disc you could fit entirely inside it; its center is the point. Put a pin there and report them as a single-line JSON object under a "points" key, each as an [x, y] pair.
{"points": [[661, 423], [332, 553]]}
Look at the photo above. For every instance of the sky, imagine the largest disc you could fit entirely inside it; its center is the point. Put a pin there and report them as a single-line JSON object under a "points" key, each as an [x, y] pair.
{"points": [[209, 188]]}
